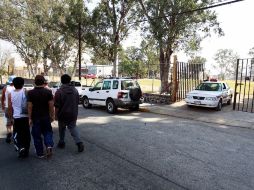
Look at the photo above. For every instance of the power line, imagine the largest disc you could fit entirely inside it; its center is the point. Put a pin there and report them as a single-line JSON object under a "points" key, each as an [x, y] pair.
{"points": [[190, 11]]}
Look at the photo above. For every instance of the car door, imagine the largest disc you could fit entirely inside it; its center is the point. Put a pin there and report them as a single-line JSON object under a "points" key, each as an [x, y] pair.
{"points": [[224, 92], [105, 92], [94, 95]]}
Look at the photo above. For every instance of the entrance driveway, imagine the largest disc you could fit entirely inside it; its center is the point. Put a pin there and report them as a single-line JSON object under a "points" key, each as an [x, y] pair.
{"points": [[225, 117]]}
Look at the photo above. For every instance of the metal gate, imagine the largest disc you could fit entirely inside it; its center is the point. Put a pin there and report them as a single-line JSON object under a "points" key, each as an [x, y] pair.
{"points": [[244, 86], [188, 77]]}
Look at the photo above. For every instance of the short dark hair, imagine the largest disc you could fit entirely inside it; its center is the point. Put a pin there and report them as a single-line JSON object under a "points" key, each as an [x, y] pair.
{"points": [[18, 82], [39, 80], [65, 79]]}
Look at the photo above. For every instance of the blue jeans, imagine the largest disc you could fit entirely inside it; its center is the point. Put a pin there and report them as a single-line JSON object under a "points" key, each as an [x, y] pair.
{"points": [[42, 126]]}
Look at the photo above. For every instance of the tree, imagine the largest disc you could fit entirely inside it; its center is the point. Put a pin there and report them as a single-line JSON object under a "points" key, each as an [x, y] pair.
{"points": [[110, 26], [150, 53], [226, 60], [33, 26], [173, 30], [4, 57], [132, 63], [251, 52], [197, 64]]}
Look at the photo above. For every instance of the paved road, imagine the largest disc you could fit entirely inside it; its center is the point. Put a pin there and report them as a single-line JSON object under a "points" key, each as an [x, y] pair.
{"points": [[139, 151]]}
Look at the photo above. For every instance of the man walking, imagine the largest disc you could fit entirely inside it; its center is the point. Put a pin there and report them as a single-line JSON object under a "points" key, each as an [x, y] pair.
{"points": [[41, 114], [4, 102], [21, 129], [66, 111]]}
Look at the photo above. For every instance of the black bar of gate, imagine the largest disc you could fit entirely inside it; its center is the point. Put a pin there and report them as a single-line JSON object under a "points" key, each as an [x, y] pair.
{"points": [[236, 78], [181, 81], [252, 63], [177, 80], [240, 92], [185, 79], [244, 89], [248, 86]]}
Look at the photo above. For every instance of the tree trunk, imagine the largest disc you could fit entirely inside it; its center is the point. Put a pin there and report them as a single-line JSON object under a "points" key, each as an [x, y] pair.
{"points": [[115, 56], [73, 72], [45, 66], [164, 69]]}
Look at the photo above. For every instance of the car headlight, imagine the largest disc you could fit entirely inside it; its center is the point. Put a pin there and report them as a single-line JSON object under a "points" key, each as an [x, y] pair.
{"points": [[189, 97], [211, 98]]}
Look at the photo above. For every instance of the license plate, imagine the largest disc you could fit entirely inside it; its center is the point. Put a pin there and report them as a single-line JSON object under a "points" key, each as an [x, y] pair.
{"points": [[197, 102]]}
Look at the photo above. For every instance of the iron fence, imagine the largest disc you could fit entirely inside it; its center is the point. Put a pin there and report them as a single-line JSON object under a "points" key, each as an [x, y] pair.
{"points": [[244, 86], [188, 77]]}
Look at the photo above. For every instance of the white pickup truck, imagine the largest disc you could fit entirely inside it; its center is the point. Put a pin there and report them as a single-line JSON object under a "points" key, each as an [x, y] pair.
{"points": [[77, 85]]}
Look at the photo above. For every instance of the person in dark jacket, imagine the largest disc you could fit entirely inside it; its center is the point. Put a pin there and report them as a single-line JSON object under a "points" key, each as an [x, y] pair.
{"points": [[66, 111]]}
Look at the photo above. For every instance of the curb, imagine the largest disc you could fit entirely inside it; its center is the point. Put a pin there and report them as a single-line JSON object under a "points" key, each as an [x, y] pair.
{"points": [[193, 116]]}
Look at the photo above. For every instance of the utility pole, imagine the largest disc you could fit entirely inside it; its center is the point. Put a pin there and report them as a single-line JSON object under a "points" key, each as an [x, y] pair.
{"points": [[79, 49], [79, 39]]}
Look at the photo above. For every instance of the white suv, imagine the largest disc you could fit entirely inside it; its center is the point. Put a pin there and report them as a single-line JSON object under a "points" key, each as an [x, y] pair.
{"points": [[114, 93]]}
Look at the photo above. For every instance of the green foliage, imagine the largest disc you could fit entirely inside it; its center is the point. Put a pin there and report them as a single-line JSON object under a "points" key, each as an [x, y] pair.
{"points": [[197, 60], [251, 52], [172, 30], [226, 60], [132, 63], [151, 54], [41, 30], [109, 26], [4, 56]]}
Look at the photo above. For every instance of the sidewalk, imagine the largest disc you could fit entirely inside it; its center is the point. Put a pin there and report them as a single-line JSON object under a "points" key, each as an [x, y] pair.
{"points": [[225, 117]]}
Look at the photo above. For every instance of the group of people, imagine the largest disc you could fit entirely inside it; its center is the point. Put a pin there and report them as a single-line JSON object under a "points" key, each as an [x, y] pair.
{"points": [[37, 109]]}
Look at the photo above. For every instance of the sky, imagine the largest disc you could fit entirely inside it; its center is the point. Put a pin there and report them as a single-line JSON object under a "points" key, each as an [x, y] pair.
{"points": [[236, 20]]}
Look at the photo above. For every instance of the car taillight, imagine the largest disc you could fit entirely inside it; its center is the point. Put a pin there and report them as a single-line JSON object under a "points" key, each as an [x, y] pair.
{"points": [[122, 95]]}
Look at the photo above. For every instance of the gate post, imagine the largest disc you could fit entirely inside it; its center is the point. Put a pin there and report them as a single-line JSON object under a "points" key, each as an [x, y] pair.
{"points": [[236, 80], [174, 82]]}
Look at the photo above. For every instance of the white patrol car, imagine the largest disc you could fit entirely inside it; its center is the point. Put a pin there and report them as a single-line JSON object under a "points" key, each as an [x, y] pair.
{"points": [[114, 93], [210, 94]]}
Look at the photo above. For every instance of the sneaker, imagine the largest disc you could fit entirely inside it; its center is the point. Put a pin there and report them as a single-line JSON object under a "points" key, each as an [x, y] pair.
{"points": [[61, 145], [49, 152], [40, 156], [22, 153], [80, 147], [8, 138]]}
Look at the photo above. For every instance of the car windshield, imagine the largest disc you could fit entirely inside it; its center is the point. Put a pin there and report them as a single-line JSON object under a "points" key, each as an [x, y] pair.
{"points": [[208, 87], [127, 84]]}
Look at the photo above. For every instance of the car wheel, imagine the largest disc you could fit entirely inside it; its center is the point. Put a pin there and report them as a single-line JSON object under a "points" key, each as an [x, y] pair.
{"points": [[134, 107], [229, 101], [111, 106], [86, 103], [219, 106]]}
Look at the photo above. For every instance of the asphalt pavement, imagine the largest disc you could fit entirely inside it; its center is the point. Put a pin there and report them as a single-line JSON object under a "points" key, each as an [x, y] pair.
{"points": [[227, 116]]}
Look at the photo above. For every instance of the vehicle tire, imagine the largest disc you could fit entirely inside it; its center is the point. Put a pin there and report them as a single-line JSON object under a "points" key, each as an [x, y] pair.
{"points": [[229, 101], [219, 106], [134, 107], [135, 93], [111, 106], [85, 103]]}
